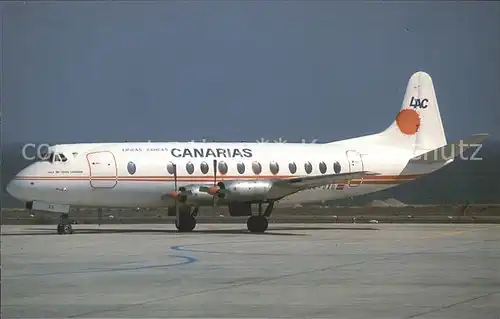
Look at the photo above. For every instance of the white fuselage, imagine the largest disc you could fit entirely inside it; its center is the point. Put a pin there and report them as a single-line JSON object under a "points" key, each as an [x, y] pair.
{"points": [[137, 174]]}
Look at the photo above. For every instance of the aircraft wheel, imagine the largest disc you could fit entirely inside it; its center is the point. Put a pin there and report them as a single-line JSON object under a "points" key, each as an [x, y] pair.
{"points": [[257, 224], [185, 223], [63, 229]]}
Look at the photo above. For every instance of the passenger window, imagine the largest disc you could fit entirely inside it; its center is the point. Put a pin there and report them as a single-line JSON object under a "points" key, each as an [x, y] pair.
{"points": [[322, 167], [292, 167], [256, 168], [308, 167], [222, 168], [131, 168], [241, 167], [274, 168], [190, 168], [337, 168], [204, 167], [171, 168]]}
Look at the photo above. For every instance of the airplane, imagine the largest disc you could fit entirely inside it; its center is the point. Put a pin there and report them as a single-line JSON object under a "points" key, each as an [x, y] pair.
{"points": [[185, 176]]}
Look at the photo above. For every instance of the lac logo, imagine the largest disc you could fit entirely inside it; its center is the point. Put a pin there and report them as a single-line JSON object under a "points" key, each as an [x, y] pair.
{"points": [[418, 103]]}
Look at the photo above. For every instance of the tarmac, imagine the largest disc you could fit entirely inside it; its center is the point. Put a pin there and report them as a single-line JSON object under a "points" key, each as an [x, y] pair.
{"points": [[222, 271]]}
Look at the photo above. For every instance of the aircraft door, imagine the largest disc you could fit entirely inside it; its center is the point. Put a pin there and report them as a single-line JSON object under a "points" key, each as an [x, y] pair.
{"points": [[355, 165], [103, 169]]}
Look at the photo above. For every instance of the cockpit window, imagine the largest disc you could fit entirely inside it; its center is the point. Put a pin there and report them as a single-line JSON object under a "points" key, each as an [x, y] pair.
{"points": [[54, 157]]}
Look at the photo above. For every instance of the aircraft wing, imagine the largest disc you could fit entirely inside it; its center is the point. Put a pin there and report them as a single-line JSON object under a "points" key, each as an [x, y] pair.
{"points": [[285, 187], [279, 187]]}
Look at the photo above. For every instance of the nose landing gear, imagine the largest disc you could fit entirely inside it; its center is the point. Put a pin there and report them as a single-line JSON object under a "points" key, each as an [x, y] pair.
{"points": [[64, 226]]}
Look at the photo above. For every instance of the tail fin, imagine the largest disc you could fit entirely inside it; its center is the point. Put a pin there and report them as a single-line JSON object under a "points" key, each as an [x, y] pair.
{"points": [[418, 126]]}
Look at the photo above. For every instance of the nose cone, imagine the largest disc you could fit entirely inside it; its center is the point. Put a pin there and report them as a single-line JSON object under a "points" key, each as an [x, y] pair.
{"points": [[9, 188], [14, 188], [18, 187]]}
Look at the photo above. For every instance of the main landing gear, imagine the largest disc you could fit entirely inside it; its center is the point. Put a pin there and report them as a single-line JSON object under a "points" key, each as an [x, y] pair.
{"points": [[259, 223], [185, 219], [64, 226]]}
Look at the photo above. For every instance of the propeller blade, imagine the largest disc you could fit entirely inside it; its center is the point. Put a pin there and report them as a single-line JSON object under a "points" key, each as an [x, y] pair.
{"points": [[175, 190], [173, 195], [177, 194], [212, 189]]}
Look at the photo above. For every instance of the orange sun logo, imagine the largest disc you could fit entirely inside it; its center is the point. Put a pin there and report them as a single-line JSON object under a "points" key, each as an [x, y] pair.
{"points": [[408, 121]]}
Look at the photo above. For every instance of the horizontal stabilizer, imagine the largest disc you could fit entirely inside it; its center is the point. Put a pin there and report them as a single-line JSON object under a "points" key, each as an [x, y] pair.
{"points": [[450, 151]]}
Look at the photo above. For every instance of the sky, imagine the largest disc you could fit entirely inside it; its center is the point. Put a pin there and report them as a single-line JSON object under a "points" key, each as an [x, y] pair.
{"points": [[242, 70]]}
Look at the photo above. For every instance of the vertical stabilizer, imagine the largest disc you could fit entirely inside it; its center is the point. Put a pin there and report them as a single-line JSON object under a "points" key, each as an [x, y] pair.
{"points": [[418, 126]]}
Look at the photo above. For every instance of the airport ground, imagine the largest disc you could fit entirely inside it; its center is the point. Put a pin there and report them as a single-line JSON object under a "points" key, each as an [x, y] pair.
{"points": [[222, 271], [313, 214]]}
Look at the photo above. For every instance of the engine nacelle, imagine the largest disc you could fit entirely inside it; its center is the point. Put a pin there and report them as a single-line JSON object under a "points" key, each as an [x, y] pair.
{"points": [[193, 196], [245, 190]]}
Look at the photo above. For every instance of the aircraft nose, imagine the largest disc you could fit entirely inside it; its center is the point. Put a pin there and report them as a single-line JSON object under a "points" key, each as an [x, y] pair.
{"points": [[14, 188], [18, 186]]}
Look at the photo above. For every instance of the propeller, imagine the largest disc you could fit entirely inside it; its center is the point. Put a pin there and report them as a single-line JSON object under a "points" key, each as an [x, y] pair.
{"points": [[218, 190], [214, 189], [176, 193]]}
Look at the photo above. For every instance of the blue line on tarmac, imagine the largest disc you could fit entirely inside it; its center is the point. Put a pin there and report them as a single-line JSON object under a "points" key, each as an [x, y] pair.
{"points": [[186, 261]]}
